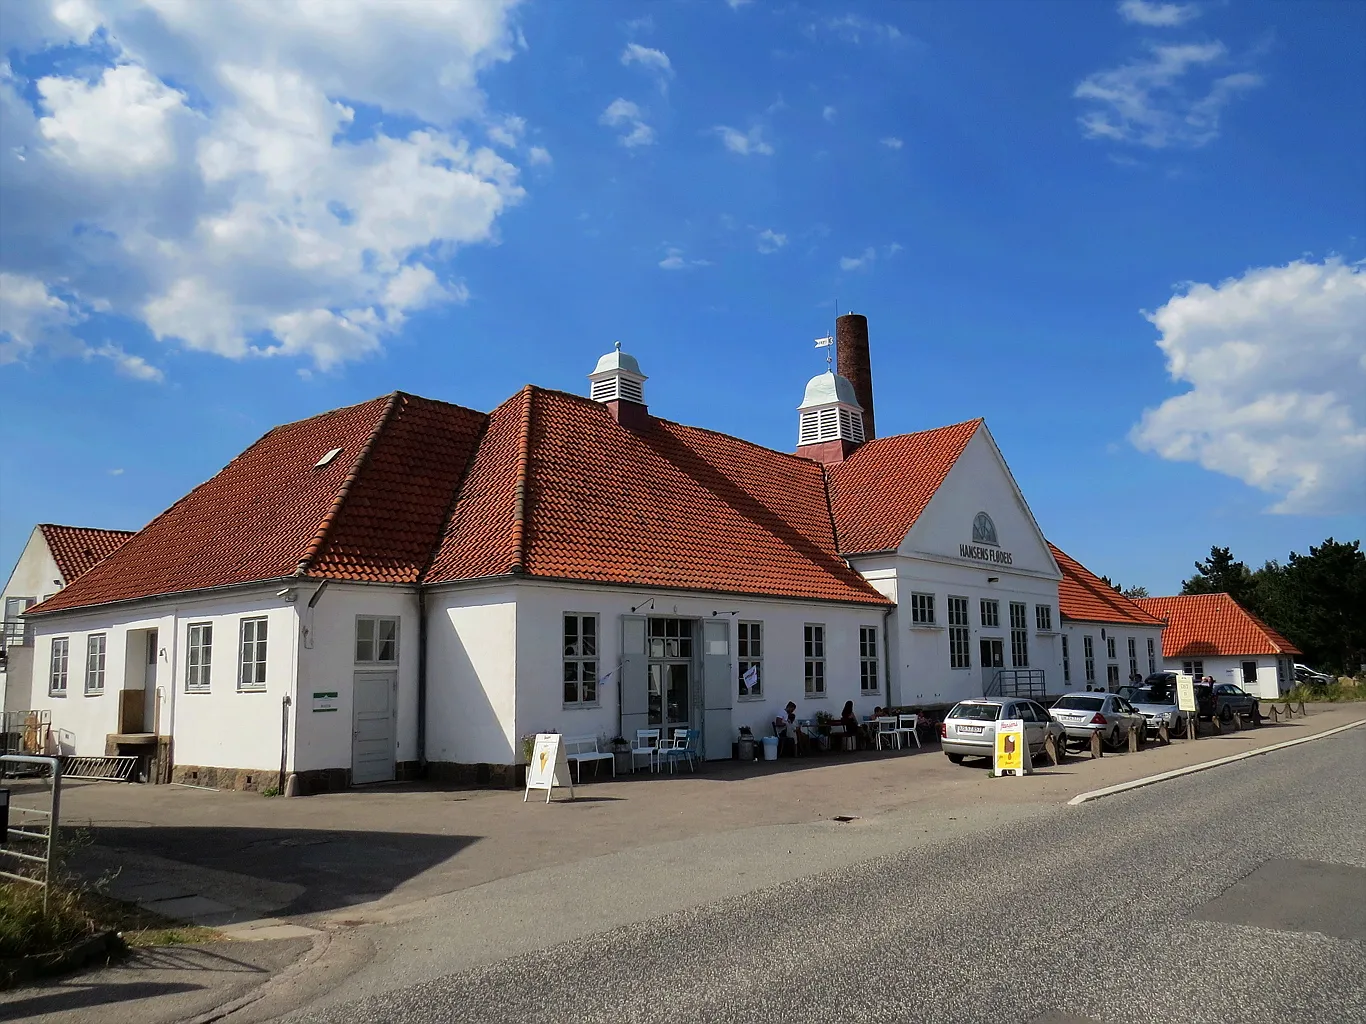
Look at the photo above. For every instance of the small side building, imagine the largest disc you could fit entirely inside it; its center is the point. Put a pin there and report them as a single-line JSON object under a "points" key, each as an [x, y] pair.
{"points": [[1213, 635]]}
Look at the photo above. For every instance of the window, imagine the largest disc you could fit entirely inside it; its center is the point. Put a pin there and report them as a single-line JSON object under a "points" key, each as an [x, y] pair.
{"points": [[580, 660], [751, 660], [376, 640], [56, 680], [1019, 634], [1043, 618], [1152, 658], [867, 659], [922, 609], [815, 659], [18, 633], [1193, 668], [1088, 650], [960, 638], [1110, 648], [94, 663], [1066, 662], [991, 614], [1112, 675], [1133, 657], [252, 673], [1280, 672], [198, 656]]}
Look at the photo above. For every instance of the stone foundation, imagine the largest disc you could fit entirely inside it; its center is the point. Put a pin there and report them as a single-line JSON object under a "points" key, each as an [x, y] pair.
{"points": [[495, 776], [256, 780]]}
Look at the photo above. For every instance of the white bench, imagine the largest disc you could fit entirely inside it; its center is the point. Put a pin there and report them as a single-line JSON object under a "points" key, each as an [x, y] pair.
{"points": [[578, 749]]}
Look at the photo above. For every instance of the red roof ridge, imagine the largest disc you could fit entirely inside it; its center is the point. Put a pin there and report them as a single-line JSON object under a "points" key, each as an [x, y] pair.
{"points": [[520, 504], [1214, 627], [320, 535], [84, 529], [975, 422]]}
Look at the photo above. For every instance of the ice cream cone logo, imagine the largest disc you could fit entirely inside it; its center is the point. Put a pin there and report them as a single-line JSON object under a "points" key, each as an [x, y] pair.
{"points": [[544, 755]]}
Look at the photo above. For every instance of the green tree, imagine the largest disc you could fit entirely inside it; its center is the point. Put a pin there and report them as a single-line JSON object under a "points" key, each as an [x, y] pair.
{"points": [[1322, 600], [1221, 573], [1134, 593]]}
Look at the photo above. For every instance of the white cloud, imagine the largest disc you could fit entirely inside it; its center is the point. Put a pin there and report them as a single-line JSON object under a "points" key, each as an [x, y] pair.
{"points": [[744, 143], [771, 241], [1276, 363], [245, 199], [828, 112], [859, 262], [538, 155], [735, 5], [624, 114], [1157, 15], [116, 472], [655, 61], [129, 365], [28, 312], [674, 260], [892, 142], [891, 250], [854, 28], [1171, 97]]}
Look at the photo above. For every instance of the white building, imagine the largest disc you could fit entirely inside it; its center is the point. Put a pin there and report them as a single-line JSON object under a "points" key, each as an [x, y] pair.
{"points": [[52, 558], [1212, 635], [1107, 640], [406, 585]]}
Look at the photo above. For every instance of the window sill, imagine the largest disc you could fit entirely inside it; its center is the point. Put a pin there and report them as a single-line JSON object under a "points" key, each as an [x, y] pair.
{"points": [[56, 693], [582, 707], [926, 625], [816, 696], [750, 698], [1045, 632], [251, 689], [198, 689], [376, 664], [94, 693]]}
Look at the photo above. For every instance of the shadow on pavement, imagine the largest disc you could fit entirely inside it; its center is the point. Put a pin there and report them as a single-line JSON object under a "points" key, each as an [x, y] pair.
{"points": [[76, 995]]}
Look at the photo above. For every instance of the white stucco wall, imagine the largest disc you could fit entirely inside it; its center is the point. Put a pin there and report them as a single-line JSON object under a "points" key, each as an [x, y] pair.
{"points": [[1230, 670], [471, 673], [35, 575], [1100, 632]]}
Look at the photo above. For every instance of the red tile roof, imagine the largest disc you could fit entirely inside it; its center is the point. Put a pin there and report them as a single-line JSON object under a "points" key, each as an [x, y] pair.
{"points": [[76, 549], [878, 493], [1085, 597], [1210, 625], [560, 490]]}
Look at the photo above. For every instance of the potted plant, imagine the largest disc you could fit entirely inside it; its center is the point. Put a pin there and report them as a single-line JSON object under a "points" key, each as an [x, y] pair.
{"points": [[824, 719]]}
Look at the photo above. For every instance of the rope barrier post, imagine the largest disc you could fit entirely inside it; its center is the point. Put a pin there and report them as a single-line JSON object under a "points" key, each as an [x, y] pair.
{"points": [[1190, 727], [1133, 739], [1095, 746], [1163, 736]]}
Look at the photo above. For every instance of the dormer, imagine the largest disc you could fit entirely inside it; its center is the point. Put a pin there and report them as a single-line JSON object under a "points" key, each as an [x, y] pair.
{"points": [[618, 384], [831, 424]]}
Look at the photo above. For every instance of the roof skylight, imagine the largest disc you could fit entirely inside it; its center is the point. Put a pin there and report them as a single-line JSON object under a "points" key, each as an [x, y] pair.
{"points": [[327, 458]]}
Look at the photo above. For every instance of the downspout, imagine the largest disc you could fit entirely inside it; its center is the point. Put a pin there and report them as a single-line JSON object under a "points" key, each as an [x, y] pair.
{"points": [[887, 660], [421, 679]]}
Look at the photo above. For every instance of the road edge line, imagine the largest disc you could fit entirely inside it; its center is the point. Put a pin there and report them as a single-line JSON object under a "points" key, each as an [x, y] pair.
{"points": [[1176, 773]]}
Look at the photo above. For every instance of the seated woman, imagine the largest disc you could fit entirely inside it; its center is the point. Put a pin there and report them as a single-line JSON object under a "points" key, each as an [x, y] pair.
{"points": [[850, 720]]}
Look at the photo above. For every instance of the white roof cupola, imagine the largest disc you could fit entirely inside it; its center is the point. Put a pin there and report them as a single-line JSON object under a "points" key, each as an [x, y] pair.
{"points": [[829, 412], [618, 383]]}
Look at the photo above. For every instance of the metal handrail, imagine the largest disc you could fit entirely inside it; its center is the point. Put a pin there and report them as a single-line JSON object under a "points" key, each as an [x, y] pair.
{"points": [[53, 814], [1033, 678]]}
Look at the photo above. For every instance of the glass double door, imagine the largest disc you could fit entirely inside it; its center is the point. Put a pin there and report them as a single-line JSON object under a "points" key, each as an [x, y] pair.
{"points": [[670, 673]]}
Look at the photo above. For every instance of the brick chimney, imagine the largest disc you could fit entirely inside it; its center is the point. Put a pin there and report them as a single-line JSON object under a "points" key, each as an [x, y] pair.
{"points": [[851, 341]]}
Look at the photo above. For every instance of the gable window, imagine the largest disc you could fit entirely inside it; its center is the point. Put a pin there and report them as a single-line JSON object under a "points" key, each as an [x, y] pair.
{"points": [[991, 614], [867, 659], [1019, 634], [1088, 650], [922, 609], [814, 653], [94, 663], [1152, 659], [1066, 662], [1043, 618], [1110, 648], [198, 656], [580, 660], [376, 640], [960, 637], [56, 679], [18, 633], [1133, 657], [750, 656], [251, 673]]}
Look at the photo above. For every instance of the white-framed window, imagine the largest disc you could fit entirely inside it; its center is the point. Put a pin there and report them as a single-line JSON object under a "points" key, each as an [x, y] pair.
{"points": [[1133, 657], [750, 658], [94, 663], [991, 614], [1280, 672], [960, 636], [61, 655], [1152, 657], [1110, 648], [1019, 634], [813, 671], [1193, 668], [580, 660], [251, 674], [922, 609], [1112, 676], [376, 640], [18, 632], [867, 659], [1043, 618], [1066, 661], [1088, 650], [198, 656]]}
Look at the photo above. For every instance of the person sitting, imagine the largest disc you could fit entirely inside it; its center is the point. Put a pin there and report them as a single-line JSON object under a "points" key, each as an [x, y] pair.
{"points": [[791, 737], [850, 721]]}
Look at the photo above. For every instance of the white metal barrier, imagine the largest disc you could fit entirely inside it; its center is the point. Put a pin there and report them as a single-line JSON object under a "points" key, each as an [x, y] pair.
{"points": [[30, 867]]}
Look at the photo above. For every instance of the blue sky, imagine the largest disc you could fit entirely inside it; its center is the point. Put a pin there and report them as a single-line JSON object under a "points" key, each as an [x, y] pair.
{"points": [[1129, 235]]}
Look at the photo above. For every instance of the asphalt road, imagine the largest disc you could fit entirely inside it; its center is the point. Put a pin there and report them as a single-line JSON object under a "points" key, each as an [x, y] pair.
{"points": [[1233, 895]]}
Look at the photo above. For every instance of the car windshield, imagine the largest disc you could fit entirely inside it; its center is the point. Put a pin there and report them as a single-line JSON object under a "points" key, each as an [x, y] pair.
{"points": [[1158, 693], [1080, 704], [977, 712]]}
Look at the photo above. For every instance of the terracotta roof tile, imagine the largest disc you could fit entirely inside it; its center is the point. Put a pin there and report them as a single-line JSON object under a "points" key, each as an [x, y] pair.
{"points": [[77, 549], [878, 493], [1210, 625], [1085, 597]]}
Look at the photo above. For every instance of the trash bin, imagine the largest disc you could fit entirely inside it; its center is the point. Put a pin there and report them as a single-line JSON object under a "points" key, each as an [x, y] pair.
{"points": [[770, 748], [744, 748]]}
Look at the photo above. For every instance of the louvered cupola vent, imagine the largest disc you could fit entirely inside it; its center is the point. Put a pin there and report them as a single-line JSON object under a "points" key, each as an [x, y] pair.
{"points": [[617, 383], [831, 419]]}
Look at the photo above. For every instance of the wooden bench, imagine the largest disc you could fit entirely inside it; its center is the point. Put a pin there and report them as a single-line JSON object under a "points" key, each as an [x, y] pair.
{"points": [[578, 749]]}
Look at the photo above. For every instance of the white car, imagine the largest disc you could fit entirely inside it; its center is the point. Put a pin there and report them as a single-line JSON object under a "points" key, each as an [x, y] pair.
{"points": [[1109, 714], [1308, 677]]}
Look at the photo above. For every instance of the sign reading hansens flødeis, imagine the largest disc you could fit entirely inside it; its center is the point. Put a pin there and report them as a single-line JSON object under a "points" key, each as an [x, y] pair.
{"points": [[984, 546]]}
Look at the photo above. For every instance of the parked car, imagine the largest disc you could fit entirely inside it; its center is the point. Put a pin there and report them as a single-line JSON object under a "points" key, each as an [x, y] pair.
{"points": [[1109, 714], [1157, 703], [1306, 676], [1204, 697], [969, 730], [1228, 700]]}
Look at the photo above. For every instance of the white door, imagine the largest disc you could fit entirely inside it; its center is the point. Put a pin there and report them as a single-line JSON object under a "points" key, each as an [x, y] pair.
{"points": [[374, 712], [149, 685]]}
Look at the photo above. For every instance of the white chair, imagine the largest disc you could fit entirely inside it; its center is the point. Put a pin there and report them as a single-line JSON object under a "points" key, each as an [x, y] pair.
{"points": [[578, 749], [907, 727], [680, 747], [887, 729], [646, 746]]}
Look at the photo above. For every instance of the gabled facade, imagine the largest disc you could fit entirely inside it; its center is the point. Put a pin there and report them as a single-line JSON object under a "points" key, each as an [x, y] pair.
{"points": [[411, 585], [1212, 635]]}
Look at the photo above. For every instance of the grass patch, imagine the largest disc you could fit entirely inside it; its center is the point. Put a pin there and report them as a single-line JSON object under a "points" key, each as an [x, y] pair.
{"points": [[1334, 693], [77, 912]]}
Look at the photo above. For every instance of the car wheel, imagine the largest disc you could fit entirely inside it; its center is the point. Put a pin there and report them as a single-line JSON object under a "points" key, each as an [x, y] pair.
{"points": [[1225, 714], [1060, 745], [955, 758]]}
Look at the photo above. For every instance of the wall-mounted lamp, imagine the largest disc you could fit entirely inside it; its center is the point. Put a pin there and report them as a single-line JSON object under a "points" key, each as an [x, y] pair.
{"points": [[289, 595], [714, 614], [993, 579], [650, 602]]}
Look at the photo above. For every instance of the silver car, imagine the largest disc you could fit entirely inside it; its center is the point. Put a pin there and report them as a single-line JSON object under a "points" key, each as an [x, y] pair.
{"points": [[969, 730], [1109, 714], [1155, 700]]}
